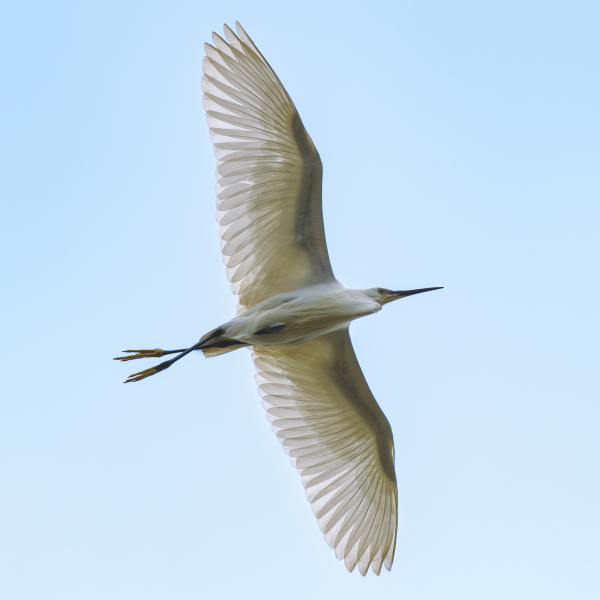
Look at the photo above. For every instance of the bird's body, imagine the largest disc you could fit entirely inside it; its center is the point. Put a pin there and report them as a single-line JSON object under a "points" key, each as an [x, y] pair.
{"points": [[295, 317], [292, 311]]}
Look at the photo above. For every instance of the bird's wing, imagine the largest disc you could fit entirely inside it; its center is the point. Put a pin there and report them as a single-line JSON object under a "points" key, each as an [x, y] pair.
{"points": [[339, 440], [269, 175]]}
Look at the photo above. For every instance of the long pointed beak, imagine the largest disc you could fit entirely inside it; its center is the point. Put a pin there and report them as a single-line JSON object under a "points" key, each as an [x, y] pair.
{"points": [[404, 293]]}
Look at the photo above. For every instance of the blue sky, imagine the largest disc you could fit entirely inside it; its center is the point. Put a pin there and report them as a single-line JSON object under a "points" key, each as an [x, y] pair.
{"points": [[460, 142]]}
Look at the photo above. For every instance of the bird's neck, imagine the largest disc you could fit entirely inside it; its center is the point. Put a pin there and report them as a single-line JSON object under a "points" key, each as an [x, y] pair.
{"points": [[362, 302]]}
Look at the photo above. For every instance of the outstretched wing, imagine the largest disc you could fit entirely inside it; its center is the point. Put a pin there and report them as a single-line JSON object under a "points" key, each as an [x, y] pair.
{"points": [[339, 440], [269, 175]]}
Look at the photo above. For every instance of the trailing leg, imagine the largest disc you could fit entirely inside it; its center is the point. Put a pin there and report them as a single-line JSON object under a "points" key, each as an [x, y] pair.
{"points": [[208, 340]]}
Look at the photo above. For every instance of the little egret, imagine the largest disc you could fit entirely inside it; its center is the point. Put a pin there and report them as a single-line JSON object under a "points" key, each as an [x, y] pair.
{"points": [[292, 311]]}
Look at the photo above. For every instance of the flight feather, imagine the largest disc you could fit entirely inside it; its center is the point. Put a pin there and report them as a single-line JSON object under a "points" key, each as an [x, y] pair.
{"points": [[340, 442], [269, 175]]}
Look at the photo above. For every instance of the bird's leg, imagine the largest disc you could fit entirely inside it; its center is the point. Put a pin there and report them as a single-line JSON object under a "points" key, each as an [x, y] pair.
{"points": [[162, 366], [157, 353]]}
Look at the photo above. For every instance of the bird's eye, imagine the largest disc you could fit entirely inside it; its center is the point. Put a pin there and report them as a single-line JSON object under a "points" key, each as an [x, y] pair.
{"points": [[380, 291]]}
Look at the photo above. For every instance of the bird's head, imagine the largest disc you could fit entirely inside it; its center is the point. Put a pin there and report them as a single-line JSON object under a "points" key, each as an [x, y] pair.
{"points": [[383, 295]]}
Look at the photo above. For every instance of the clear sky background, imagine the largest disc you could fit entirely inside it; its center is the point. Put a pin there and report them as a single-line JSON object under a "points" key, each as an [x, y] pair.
{"points": [[461, 146]]}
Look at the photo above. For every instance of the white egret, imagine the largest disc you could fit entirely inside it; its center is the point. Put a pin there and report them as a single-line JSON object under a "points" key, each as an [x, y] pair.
{"points": [[293, 312]]}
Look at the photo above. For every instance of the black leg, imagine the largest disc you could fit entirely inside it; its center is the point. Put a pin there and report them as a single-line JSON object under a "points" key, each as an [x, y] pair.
{"points": [[163, 365], [157, 353]]}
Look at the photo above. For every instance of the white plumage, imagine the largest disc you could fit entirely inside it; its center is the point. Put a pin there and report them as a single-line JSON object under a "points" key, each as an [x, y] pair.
{"points": [[292, 311], [336, 436], [268, 176]]}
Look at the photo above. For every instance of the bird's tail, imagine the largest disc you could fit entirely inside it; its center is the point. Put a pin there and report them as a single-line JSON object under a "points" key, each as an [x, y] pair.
{"points": [[218, 343], [210, 352]]}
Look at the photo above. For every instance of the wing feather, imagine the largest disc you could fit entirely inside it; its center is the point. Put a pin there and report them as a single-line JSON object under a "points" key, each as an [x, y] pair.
{"points": [[339, 441], [269, 175]]}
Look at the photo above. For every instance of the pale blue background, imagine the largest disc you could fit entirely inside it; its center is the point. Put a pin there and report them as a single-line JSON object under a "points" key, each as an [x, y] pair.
{"points": [[461, 148]]}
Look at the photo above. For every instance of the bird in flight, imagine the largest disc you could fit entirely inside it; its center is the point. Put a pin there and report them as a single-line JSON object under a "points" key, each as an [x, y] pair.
{"points": [[292, 311]]}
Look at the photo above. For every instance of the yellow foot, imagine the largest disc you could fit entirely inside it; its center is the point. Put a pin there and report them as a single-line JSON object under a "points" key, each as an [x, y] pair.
{"points": [[156, 353], [153, 371], [142, 375]]}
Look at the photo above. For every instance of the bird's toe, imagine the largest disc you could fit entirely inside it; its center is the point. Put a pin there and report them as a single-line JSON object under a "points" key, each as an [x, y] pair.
{"points": [[156, 353], [141, 375]]}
